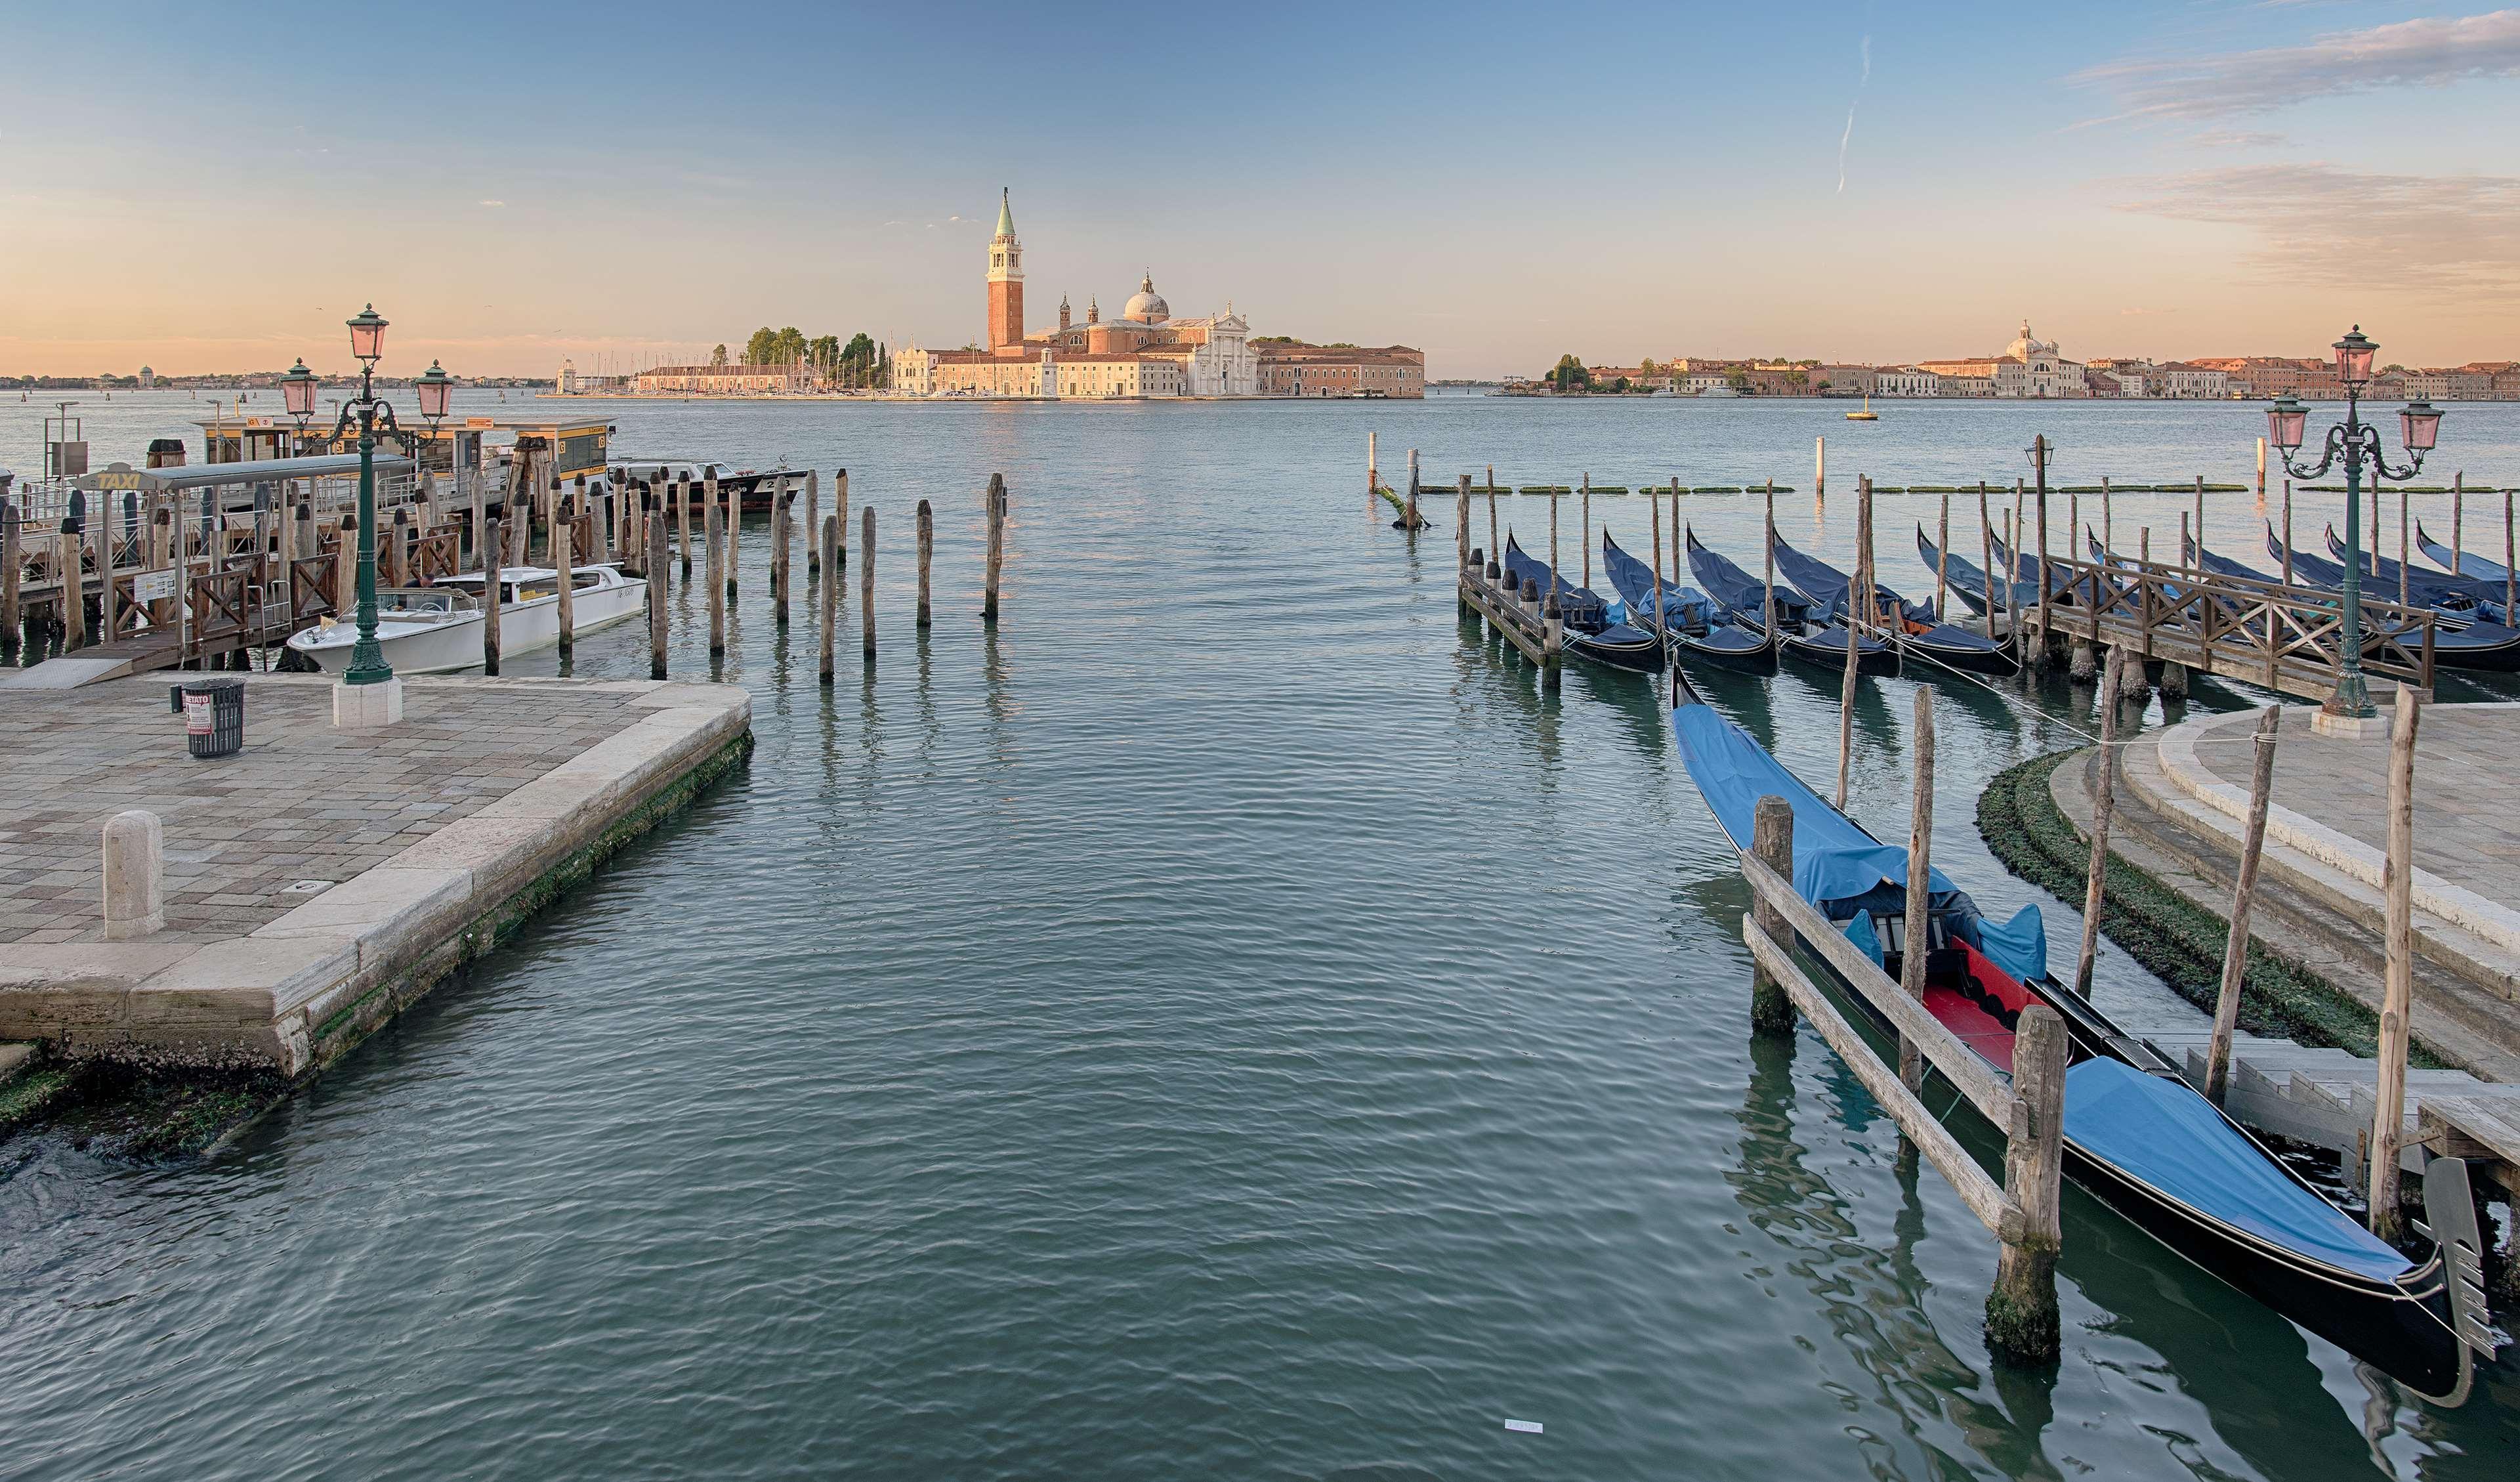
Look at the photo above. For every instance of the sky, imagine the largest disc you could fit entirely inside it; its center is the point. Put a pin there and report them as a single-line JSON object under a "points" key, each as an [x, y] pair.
{"points": [[204, 189]]}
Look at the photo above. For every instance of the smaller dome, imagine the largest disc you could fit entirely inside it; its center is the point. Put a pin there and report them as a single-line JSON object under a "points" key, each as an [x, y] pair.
{"points": [[1147, 306]]}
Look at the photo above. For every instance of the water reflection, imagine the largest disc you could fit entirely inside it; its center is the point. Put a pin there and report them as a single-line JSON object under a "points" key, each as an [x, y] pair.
{"points": [[1872, 1299]]}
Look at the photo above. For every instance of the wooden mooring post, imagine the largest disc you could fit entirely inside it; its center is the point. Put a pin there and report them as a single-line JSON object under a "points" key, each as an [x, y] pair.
{"points": [[828, 596], [2458, 524], [683, 520], [2398, 981], [1462, 526], [866, 587], [655, 530], [927, 551], [1584, 529], [731, 531], [840, 507], [2103, 803], [996, 499], [1496, 547], [11, 555], [779, 552], [72, 586], [1942, 562], [712, 534], [2024, 1213], [1771, 842], [564, 536], [1917, 927], [494, 551], [813, 523], [2236, 946], [1854, 637]]}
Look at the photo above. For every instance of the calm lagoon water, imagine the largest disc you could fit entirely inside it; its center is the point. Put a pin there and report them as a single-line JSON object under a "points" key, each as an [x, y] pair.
{"points": [[1233, 1022]]}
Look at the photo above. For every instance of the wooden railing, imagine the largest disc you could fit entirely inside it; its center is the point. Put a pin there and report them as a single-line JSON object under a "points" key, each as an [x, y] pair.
{"points": [[2289, 639]]}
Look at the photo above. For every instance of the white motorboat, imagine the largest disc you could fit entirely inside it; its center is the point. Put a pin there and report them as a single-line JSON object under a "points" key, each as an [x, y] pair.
{"points": [[438, 629]]}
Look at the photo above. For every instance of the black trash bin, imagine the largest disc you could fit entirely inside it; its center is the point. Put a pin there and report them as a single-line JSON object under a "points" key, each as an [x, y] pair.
{"points": [[214, 716]]}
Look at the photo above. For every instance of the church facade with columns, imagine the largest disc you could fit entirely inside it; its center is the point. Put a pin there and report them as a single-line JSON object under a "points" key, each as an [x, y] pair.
{"points": [[1144, 351]]}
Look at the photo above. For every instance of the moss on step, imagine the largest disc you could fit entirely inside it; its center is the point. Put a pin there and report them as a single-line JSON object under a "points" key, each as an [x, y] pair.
{"points": [[2177, 940]]}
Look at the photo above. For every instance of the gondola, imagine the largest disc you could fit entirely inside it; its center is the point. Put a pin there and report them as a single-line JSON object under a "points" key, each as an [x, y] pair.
{"points": [[2136, 1137], [2482, 645], [2459, 600], [1967, 579], [1797, 634], [2464, 563], [1699, 627], [1913, 626], [1593, 629]]}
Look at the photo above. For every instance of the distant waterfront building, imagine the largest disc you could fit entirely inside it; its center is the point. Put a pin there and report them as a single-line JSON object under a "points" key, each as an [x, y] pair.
{"points": [[2028, 368], [148, 378], [1144, 352], [2184, 380], [1906, 380], [1292, 367], [565, 382], [722, 380]]}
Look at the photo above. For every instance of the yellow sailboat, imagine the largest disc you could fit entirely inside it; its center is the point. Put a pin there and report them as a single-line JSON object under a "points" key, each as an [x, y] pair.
{"points": [[1868, 414]]}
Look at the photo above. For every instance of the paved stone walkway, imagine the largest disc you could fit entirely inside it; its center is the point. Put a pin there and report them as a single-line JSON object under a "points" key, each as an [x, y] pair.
{"points": [[301, 802], [2467, 788]]}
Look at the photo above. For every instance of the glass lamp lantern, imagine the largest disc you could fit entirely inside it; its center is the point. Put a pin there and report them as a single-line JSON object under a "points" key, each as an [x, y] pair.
{"points": [[2354, 357], [431, 388], [298, 390], [2285, 421], [368, 336], [2420, 422]]}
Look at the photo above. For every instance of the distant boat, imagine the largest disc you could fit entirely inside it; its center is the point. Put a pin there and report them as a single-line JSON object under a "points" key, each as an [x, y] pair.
{"points": [[1868, 414]]}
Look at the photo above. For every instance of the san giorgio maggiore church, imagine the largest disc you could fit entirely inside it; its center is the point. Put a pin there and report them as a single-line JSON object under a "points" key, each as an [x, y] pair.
{"points": [[1143, 352]]}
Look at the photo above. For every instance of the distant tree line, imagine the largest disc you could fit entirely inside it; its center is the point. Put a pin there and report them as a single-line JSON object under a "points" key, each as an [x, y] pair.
{"points": [[862, 363]]}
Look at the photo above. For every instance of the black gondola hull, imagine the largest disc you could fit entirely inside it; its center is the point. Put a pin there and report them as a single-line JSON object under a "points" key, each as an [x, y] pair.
{"points": [[1980, 658], [2407, 1336], [1873, 657], [1643, 653]]}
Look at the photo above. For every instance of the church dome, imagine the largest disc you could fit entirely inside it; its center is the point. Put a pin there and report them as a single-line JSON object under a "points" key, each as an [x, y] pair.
{"points": [[1147, 306], [2027, 346]]}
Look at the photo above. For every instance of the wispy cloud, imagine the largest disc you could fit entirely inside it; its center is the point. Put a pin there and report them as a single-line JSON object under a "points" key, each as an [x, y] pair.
{"points": [[2321, 224], [494, 203], [2236, 139], [2431, 52], [1847, 138]]}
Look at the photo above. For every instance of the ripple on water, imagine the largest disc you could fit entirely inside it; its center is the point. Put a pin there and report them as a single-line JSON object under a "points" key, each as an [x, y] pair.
{"points": [[1231, 1022]]}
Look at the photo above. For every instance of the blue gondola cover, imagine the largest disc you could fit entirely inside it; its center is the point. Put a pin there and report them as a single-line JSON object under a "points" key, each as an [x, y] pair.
{"points": [[2019, 945], [2168, 1136]]}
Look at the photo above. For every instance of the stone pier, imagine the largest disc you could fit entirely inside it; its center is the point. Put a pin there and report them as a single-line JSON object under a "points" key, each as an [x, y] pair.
{"points": [[319, 879]]}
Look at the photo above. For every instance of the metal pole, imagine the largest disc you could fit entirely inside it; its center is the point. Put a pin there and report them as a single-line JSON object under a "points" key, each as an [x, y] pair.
{"points": [[2352, 698], [368, 665]]}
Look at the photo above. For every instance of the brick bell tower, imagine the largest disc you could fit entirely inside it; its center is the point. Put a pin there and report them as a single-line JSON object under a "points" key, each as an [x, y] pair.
{"points": [[1006, 282]]}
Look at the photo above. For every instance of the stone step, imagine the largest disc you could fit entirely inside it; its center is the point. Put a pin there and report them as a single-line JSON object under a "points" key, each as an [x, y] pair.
{"points": [[15, 1056], [2194, 849]]}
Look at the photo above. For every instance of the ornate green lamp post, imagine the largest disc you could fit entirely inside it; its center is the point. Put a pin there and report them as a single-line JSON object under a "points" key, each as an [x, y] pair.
{"points": [[375, 418], [2357, 442]]}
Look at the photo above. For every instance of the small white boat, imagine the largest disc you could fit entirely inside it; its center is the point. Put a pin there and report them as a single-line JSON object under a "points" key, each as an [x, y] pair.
{"points": [[438, 629]]}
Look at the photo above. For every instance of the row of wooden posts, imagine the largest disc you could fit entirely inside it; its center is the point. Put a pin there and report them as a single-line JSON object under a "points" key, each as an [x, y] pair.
{"points": [[660, 519]]}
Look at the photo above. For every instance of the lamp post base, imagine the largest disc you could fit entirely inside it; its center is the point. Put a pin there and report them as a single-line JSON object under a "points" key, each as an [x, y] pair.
{"points": [[2342, 726], [365, 707]]}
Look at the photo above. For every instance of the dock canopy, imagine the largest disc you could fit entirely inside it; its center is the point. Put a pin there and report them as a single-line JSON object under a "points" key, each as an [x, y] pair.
{"points": [[210, 475]]}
